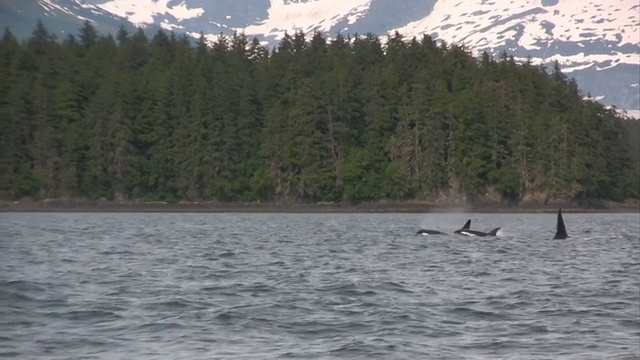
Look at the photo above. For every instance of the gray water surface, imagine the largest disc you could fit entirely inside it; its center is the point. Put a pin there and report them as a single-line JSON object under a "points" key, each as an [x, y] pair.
{"points": [[334, 286]]}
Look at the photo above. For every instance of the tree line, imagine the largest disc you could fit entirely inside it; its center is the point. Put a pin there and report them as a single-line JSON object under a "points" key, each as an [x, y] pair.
{"points": [[312, 119]]}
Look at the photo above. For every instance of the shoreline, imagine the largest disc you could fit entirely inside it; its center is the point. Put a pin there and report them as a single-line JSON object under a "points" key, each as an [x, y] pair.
{"points": [[371, 207]]}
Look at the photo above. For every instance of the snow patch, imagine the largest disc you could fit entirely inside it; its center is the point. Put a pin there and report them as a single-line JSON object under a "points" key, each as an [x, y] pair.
{"points": [[319, 15], [85, 5], [571, 19], [580, 61], [170, 27], [51, 5], [571, 68], [142, 12], [633, 113]]}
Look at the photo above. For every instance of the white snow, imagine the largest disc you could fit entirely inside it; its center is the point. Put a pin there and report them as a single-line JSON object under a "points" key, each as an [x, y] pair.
{"points": [[453, 21], [170, 27], [85, 5], [320, 15], [141, 12], [51, 5], [634, 113], [579, 62], [571, 67], [594, 98]]}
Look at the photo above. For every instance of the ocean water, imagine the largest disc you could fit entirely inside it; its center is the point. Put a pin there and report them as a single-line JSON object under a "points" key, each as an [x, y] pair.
{"points": [[317, 286]]}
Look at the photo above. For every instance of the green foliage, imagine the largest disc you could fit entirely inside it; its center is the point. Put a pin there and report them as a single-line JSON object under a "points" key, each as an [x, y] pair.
{"points": [[361, 177], [313, 120], [507, 183]]}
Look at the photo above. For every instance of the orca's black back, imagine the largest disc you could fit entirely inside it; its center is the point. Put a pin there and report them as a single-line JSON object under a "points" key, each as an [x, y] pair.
{"points": [[561, 230]]}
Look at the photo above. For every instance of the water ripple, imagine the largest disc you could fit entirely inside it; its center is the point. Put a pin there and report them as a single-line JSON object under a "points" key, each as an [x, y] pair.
{"points": [[330, 286]]}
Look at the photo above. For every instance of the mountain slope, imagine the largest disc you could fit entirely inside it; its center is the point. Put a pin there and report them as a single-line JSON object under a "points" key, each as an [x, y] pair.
{"points": [[596, 41], [60, 17], [595, 38]]}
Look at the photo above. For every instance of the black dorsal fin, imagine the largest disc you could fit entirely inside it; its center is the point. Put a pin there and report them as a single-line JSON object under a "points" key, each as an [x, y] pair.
{"points": [[467, 225], [561, 230]]}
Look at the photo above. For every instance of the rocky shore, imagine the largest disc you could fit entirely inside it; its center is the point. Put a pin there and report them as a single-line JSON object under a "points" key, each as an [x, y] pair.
{"points": [[60, 205]]}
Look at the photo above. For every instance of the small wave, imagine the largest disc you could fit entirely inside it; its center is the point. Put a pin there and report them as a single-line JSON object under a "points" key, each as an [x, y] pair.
{"points": [[353, 292], [525, 329], [495, 303], [444, 333], [290, 306], [219, 274], [478, 314], [402, 318], [289, 355], [395, 287], [80, 315], [8, 354], [258, 288], [166, 305], [481, 274], [21, 285], [116, 252], [214, 288], [15, 297], [520, 294], [352, 346], [493, 345], [617, 305], [614, 281], [516, 305], [339, 287], [210, 257], [226, 317], [365, 349], [158, 326], [625, 357], [310, 327], [635, 324], [347, 312]]}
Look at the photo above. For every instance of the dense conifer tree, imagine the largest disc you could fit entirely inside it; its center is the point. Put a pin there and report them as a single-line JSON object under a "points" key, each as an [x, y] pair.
{"points": [[314, 119]]}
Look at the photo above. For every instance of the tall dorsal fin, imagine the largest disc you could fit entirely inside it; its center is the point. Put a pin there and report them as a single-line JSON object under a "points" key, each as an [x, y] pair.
{"points": [[561, 230], [467, 225]]}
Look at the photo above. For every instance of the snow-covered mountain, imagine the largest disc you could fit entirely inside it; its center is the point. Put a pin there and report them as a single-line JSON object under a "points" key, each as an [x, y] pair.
{"points": [[595, 41]]}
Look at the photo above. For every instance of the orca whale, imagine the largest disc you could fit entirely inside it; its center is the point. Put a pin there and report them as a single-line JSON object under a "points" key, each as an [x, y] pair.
{"points": [[430, 232], [561, 230], [466, 231]]}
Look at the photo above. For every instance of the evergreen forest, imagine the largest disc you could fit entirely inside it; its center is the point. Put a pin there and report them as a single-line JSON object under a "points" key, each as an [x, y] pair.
{"points": [[344, 119]]}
